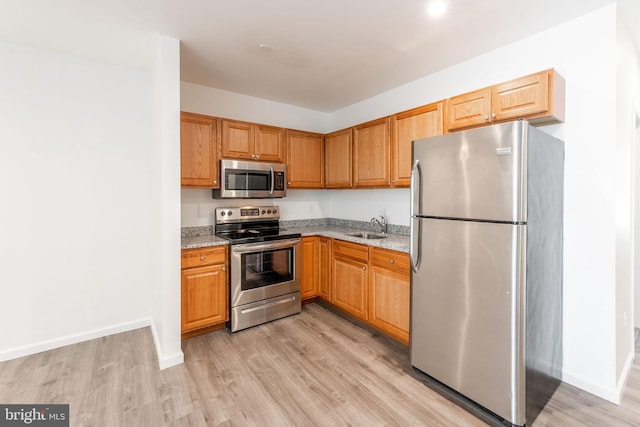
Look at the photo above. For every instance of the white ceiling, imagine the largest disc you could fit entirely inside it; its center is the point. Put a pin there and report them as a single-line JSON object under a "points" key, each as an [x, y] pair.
{"points": [[318, 54]]}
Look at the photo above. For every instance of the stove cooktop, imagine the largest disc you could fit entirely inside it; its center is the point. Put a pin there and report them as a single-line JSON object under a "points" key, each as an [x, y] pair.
{"points": [[251, 224]]}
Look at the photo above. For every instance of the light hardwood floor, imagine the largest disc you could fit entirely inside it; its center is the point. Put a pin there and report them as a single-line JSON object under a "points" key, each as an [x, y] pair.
{"points": [[315, 368]]}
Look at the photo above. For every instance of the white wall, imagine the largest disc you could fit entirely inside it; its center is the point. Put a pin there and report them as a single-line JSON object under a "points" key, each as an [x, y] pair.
{"points": [[215, 102], [164, 186], [628, 87], [75, 137]]}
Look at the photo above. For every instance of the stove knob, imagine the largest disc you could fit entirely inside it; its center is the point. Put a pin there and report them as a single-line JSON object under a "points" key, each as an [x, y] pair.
{"points": [[223, 213], [229, 213], [269, 211], [263, 211], [275, 211]]}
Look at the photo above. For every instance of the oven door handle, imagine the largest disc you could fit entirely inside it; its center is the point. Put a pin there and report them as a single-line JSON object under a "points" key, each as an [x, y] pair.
{"points": [[257, 247]]}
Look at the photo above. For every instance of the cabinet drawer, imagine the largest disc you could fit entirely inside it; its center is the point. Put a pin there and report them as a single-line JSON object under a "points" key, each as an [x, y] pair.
{"points": [[350, 250], [390, 260], [203, 256]]}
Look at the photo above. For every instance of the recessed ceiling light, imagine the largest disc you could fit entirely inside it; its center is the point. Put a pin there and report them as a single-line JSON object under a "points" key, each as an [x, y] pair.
{"points": [[436, 8]]}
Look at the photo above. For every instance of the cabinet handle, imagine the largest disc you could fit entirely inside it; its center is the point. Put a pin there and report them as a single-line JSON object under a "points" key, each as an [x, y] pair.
{"points": [[215, 181], [493, 115], [485, 117], [288, 182], [224, 268], [386, 181], [394, 181], [391, 261], [202, 258]]}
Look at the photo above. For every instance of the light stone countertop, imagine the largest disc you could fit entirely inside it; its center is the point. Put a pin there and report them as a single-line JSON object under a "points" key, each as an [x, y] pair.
{"points": [[201, 237]]}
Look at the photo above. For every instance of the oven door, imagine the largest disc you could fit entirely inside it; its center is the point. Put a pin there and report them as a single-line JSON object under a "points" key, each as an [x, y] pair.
{"points": [[264, 270]]}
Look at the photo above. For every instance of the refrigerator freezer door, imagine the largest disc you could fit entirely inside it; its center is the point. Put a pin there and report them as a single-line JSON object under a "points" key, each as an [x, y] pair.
{"points": [[466, 295], [476, 174]]}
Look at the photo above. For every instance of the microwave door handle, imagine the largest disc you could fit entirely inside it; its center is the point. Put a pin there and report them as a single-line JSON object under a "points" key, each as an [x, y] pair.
{"points": [[273, 179]]}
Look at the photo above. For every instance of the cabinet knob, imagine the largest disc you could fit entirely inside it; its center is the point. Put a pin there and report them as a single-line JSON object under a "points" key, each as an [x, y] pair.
{"points": [[215, 181], [253, 156], [391, 261], [288, 182], [202, 258], [493, 115], [364, 268], [224, 268], [485, 117], [386, 181], [394, 181]]}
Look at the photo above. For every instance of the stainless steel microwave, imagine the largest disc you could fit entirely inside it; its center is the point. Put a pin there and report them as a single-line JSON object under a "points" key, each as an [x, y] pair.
{"points": [[251, 180]]}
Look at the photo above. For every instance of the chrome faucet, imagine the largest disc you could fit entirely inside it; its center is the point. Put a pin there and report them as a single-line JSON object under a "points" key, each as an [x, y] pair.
{"points": [[382, 222]]}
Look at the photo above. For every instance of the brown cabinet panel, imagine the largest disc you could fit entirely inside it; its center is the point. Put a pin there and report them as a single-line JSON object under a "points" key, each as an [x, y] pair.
{"points": [[269, 144], [350, 286], [204, 296], [408, 126], [371, 154], [338, 156], [204, 293], [305, 159], [238, 139], [310, 277], [539, 95], [469, 109], [198, 151], [324, 273], [389, 302]]}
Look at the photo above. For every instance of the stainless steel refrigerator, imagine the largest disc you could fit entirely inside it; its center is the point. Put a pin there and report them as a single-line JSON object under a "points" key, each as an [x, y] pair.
{"points": [[486, 253]]}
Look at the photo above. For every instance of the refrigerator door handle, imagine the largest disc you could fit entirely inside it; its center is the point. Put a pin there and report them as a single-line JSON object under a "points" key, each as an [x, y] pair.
{"points": [[416, 239]]}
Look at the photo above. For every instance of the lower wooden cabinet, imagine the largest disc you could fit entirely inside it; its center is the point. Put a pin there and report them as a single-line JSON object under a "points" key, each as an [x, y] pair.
{"points": [[324, 273], [204, 291], [310, 277], [389, 293], [369, 283], [350, 278]]}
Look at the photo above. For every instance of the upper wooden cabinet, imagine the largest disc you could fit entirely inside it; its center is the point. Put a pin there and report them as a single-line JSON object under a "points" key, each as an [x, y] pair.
{"points": [[406, 127], [538, 98], [198, 151], [371, 154], [338, 146], [305, 159], [250, 141]]}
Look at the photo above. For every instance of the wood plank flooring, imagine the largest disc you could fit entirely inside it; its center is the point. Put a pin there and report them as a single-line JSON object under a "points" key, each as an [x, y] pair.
{"points": [[312, 369]]}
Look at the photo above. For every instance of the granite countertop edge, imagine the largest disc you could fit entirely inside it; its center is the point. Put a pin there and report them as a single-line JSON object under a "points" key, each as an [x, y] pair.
{"points": [[395, 242]]}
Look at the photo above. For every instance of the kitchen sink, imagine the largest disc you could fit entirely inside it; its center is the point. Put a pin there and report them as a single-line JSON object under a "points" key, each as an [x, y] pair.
{"points": [[367, 236]]}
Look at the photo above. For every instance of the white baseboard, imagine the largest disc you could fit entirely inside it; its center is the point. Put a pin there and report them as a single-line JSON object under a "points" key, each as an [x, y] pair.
{"points": [[165, 361], [27, 350], [622, 381], [610, 394]]}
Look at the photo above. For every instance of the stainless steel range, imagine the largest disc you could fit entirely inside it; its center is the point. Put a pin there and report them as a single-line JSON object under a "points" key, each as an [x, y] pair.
{"points": [[265, 265]]}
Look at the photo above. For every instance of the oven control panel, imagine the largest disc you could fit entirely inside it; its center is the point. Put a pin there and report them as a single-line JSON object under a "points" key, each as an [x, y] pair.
{"points": [[247, 214]]}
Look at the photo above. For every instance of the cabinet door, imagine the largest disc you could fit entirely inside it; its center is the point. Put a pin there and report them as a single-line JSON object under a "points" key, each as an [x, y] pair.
{"points": [[324, 271], [309, 279], [469, 109], [204, 296], [269, 144], [522, 97], [338, 159], [406, 127], [238, 140], [198, 159], [371, 154], [350, 285], [389, 293], [305, 159]]}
